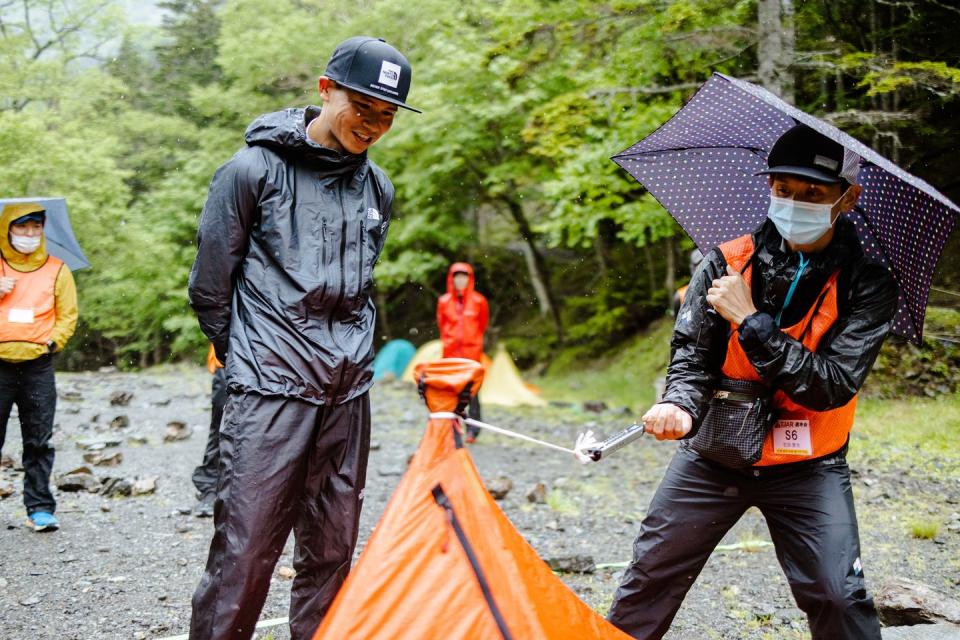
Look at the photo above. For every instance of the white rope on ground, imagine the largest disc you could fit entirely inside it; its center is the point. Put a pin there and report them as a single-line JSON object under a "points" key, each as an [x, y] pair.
{"points": [[263, 624], [449, 415]]}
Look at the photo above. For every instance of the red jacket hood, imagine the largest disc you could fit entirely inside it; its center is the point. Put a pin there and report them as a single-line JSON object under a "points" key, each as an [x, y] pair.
{"points": [[454, 268]]}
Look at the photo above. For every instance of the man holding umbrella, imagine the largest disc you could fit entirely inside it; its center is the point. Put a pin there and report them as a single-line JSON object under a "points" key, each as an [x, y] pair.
{"points": [[38, 315], [795, 314]]}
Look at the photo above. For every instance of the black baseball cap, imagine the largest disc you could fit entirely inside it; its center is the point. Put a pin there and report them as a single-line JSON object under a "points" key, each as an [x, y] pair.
{"points": [[806, 153], [372, 67]]}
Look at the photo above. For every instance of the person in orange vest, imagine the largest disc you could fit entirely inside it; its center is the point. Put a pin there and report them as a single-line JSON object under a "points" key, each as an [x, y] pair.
{"points": [[792, 315], [38, 315], [462, 316], [205, 474]]}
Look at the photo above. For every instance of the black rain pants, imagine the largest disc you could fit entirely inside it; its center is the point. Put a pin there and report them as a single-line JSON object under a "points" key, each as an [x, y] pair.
{"points": [[284, 464], [205, 476], [473, 411], [32, 387], [812, 523]]}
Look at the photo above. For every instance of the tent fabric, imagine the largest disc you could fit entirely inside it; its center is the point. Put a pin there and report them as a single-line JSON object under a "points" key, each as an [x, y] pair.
{"points": [[444, 561], [393, 358], [503, 384], [432, 350]]}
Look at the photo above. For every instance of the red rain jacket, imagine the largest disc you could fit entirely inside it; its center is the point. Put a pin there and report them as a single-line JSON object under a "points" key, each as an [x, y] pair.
{"points": [[462, 317]]}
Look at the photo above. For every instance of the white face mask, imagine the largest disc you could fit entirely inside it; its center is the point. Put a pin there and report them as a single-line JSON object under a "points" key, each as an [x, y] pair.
{"points": [[801, 222], [25, 244]]}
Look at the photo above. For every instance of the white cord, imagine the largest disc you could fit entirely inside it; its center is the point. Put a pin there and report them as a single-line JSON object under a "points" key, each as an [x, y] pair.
{"points": [[449, 415]]}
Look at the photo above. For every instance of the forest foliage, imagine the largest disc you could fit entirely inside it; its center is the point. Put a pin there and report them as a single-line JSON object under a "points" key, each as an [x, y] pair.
{"points": [[524, 102]]}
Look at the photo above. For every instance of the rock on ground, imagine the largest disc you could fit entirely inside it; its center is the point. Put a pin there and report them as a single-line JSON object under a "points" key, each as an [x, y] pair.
{"points": [[906, 602], [943, 631]]}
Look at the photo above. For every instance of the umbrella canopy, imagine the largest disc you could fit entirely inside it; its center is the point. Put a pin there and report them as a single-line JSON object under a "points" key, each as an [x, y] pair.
{"points": [[700, 166], [59, 234]]}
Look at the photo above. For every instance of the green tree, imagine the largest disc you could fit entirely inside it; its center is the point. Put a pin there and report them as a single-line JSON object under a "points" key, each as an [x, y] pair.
{"points": [[187, 56], [524, 103]]}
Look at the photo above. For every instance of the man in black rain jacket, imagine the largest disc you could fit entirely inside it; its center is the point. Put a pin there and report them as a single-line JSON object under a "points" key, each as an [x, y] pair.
{"points": [[290, 232], [805, 312]]}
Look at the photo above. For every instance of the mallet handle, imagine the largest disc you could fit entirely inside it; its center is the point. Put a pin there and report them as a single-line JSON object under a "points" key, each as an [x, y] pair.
{"points": [[615, 442]]}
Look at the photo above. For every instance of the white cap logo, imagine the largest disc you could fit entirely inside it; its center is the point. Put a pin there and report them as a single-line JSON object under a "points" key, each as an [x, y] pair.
{"points": [[824, 161], [390, 74]]}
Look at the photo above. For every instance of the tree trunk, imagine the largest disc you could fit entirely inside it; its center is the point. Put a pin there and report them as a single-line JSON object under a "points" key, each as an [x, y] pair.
{"points": [[537, 267], [600, 251], [651, 271], [670, 281], [788, 52], [775, 51], [380, 299]]}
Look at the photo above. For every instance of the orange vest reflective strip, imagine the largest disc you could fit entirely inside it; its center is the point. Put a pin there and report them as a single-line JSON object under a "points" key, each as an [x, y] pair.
{"points": [[28, 313], [829, 430]]}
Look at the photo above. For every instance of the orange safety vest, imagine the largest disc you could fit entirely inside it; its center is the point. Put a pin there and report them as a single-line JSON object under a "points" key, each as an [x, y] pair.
{"points": [[828, 430], [28, 313]]}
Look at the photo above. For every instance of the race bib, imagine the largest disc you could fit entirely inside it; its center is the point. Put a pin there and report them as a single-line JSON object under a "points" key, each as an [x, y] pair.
{"points": [[792, 438], [20, 316]]}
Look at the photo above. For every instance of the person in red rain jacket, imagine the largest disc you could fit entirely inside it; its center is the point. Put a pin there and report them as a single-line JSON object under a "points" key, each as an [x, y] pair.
{"points": [[462, 315]]}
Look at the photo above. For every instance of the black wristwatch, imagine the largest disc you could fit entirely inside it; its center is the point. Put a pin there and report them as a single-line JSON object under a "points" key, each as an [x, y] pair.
{"points": [[51, 346]]}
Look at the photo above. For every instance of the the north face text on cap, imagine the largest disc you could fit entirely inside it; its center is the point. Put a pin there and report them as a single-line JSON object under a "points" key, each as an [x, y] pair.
{"points": [[390, 74]]}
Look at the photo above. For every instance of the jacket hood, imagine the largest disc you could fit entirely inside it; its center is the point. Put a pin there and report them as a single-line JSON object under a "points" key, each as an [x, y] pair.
{"points": [[20, 261], [454, 268], [285, 132]]}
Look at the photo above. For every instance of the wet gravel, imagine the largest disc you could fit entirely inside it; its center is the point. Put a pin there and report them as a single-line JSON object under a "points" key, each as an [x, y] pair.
{"points": [[126, 567]]}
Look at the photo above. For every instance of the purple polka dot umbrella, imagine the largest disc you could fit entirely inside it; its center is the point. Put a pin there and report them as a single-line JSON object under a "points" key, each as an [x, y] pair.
{"points": [[700, 166]]}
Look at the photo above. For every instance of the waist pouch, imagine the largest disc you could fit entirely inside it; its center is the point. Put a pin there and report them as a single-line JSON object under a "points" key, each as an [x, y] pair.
{"points": [[738, 418]]}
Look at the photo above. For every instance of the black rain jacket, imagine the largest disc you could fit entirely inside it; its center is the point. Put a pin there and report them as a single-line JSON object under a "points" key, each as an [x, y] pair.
{"points": [[825, 379], [287, 241]]}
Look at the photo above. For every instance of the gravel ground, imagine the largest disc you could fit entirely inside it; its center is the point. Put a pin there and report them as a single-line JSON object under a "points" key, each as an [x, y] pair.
{"points": [[126, 567]]}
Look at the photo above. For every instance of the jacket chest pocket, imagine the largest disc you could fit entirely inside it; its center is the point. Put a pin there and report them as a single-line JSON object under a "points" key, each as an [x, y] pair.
{"points": [[322, 280], [368, 250]]}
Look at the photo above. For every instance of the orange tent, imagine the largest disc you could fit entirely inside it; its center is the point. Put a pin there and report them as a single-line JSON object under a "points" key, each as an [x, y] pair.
{"points": [[444, 562]]}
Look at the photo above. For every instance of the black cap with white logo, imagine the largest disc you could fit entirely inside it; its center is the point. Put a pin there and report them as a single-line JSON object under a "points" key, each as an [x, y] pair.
{"points": [[806, 153], [372, 67]]}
